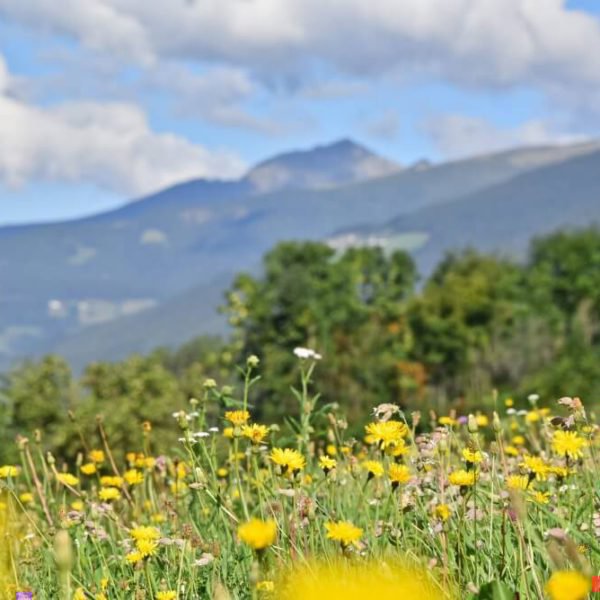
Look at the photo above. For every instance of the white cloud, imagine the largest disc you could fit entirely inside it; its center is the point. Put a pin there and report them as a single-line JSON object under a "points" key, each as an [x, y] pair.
{"points": [[472, 42], [457, 136], [109, 144]]}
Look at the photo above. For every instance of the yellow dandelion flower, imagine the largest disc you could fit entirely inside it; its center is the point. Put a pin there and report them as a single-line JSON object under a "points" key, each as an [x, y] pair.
{"points": [[26, 498], [448, 421], [79, 594], [331, 449], [539, 497], [237, 417], [385, 433], [97, 456], [482, 420], [7, 471], [133, 477], [509, 402], [88, 468], [168, 595], [442, 512], [158, 518], [536, 466], [518, 440], [222, 472], [258, 534], [463, 478], [559, 472], [111, 481], [228, 432], [146, 547], [517, 482], [145, 533], [373, 468], [67, 479], [255, 433], [399, 474], [344, 532], [265, 586], [472, 456], [568, 585], [327, 463], [109, 493], [568, 443], [511, 451], [134, 557], [77, 505], [289, 460]]}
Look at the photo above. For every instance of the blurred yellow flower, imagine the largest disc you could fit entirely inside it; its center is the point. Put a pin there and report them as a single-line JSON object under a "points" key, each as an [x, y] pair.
{"points": [[237, 417], [568, 585], [568, 443], [472, 456], [517, 482], [145, 533], [146, 547], [170, 595], [255, 433], [536, 466], [26, 497], [111, 481], [442, 512], [399, 474], [265, 586], [289, 460], [449, 421], [539, 497], [88, 468], [344, 532], [97, 456], [67, 479], [373, 468], [463, 478], [109, 493], [133, 477], [8, 471], [386, 433], [326, 463], [258, 534]]}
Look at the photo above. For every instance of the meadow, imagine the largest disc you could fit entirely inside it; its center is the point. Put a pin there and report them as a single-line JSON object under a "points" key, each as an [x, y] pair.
{"points": [[496, 505]]}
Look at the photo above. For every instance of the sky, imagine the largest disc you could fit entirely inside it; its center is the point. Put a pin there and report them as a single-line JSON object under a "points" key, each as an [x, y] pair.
{"points": [[103, 101]]}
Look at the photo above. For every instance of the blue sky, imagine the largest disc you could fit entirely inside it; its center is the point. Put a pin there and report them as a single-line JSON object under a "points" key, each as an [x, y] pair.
{"points": [[100, 103]]}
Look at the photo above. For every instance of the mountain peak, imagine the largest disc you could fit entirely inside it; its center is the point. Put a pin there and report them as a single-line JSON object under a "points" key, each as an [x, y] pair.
{"points": [[338, 163]]}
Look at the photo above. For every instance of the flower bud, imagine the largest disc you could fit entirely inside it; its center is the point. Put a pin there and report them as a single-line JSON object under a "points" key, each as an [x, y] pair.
{"points": [[472, 424]]}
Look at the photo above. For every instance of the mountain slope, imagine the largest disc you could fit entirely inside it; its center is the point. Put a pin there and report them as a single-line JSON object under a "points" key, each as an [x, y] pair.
{"points": [[129, 266]]}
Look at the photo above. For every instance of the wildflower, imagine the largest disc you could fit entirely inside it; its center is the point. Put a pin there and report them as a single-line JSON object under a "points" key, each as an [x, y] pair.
{"points": [[8, 471], [289, 460], [482, 420], [265, 586], [306, 353], [472, 456], [255, 433], [331, 449], [442, 512], [228, 432], [134, 557], [79, 594], [559, 472], [568, 585], [399, 474], [399, 449], [170, 595], [568, 443], [222, 472], [448, 421], [511, 451], [145, 533], [237, 417], [26, 498], [146, 547], [463, 478], [517, 482], [539, 497], [133, 477], [344, 532], [386, 433], [97, 456], [109, 493], [77, 505], [536, 466], [111, 481], [67, 479], [518, 440], [258, 534], [373, 468], [327, 463], [509, 402], [88, 468]]}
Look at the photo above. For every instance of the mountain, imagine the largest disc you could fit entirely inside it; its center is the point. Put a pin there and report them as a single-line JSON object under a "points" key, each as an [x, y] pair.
{"points": [[153, 271]]}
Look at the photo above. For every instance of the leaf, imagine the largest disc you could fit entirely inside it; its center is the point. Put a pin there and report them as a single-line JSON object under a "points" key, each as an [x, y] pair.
{"points": [[496, 590]]}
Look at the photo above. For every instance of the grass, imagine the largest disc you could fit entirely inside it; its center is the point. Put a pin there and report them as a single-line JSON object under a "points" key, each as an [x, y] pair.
{"points": [[430, 506]]}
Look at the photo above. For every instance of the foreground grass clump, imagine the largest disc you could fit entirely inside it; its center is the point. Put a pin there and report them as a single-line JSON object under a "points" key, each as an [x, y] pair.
{"points": [[475, 506]]}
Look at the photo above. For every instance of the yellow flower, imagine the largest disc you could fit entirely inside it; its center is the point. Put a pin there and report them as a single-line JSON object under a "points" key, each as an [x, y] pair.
{"points": [[8, 471], [568, 585], [170, 595], [158, 518], [146, 547], [255, 433], [77, 505], [517, 482], [539, 497], [442, 512], [536, 466], [518, 440], [289, 460], [560, 472], [373, 468], [145, 533], [111, 481], [331, 449], [79, 594], [109, 493], [67, 479], [344, 532], [258, 534], [133, 477], [265, 586], [449, 421], [326, 463], [482, 420], [88, 468], [511, 451], [463, 478], [134, 557], [26, 498], [472, 456], [509, 402], [222, 472], [386, 433], [237, 417], [399, 474], [568, 443], [228, 432], [97, 456]]}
